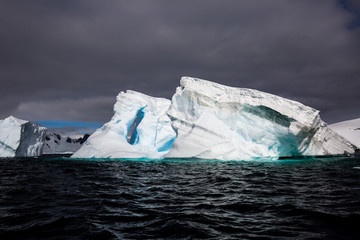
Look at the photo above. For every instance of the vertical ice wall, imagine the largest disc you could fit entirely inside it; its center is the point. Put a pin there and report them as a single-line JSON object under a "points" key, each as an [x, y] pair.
{"points": [[20, 138]]}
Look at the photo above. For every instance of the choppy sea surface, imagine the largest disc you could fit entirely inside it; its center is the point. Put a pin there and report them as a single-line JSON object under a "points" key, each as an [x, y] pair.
{"points": [[180, 199]]}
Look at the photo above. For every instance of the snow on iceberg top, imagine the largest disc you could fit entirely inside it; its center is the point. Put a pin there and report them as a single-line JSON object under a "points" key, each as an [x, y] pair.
{"points": [[222, 93], [13, 121], [130, 100]]}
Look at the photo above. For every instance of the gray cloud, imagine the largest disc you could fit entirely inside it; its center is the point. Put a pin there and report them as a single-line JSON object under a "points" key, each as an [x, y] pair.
{"points": [[81, 50], [96, 109]]}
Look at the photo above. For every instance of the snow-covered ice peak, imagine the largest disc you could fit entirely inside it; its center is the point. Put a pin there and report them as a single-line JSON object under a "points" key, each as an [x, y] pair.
{"points": [[214, 121], [13, 120], [139, 128], [20, 138]]}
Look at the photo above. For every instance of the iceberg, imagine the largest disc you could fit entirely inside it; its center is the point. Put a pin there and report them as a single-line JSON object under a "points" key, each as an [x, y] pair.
{"points": [[139, 128], [213, 121], [349, 129], [20, 138]]}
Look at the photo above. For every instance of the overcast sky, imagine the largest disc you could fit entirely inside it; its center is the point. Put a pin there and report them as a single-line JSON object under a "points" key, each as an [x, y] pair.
{"points": [[67, 60]]}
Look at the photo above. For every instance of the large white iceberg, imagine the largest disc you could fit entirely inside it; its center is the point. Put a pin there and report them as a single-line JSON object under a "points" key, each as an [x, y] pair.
{"points": [[214, 121], [20, 138], [139, 128]]}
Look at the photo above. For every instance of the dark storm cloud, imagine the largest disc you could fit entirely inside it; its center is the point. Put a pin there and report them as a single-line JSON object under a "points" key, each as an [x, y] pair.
{"points": [[67, 60]]}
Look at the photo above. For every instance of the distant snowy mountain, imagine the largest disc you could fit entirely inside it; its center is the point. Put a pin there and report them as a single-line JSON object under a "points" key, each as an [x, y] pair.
{"points": [[57, 144], [20, 138], [69, 128], [349, 129]]}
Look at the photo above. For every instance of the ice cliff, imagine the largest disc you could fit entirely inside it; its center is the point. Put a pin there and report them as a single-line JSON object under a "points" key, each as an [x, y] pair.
{"points": [[139, 128], [214, 121], [20, 138]]}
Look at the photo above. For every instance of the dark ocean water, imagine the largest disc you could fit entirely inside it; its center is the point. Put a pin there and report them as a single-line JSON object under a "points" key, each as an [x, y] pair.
{"points": [[182, 199]]}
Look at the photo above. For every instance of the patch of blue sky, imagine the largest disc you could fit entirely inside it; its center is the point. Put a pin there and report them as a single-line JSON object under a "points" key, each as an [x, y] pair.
{"points": [[60, 124]]}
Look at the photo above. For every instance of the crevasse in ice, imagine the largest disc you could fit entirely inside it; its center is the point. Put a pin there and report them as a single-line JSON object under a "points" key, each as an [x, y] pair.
{"points": [[20, 138], [214, 121], [139, 128]]}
